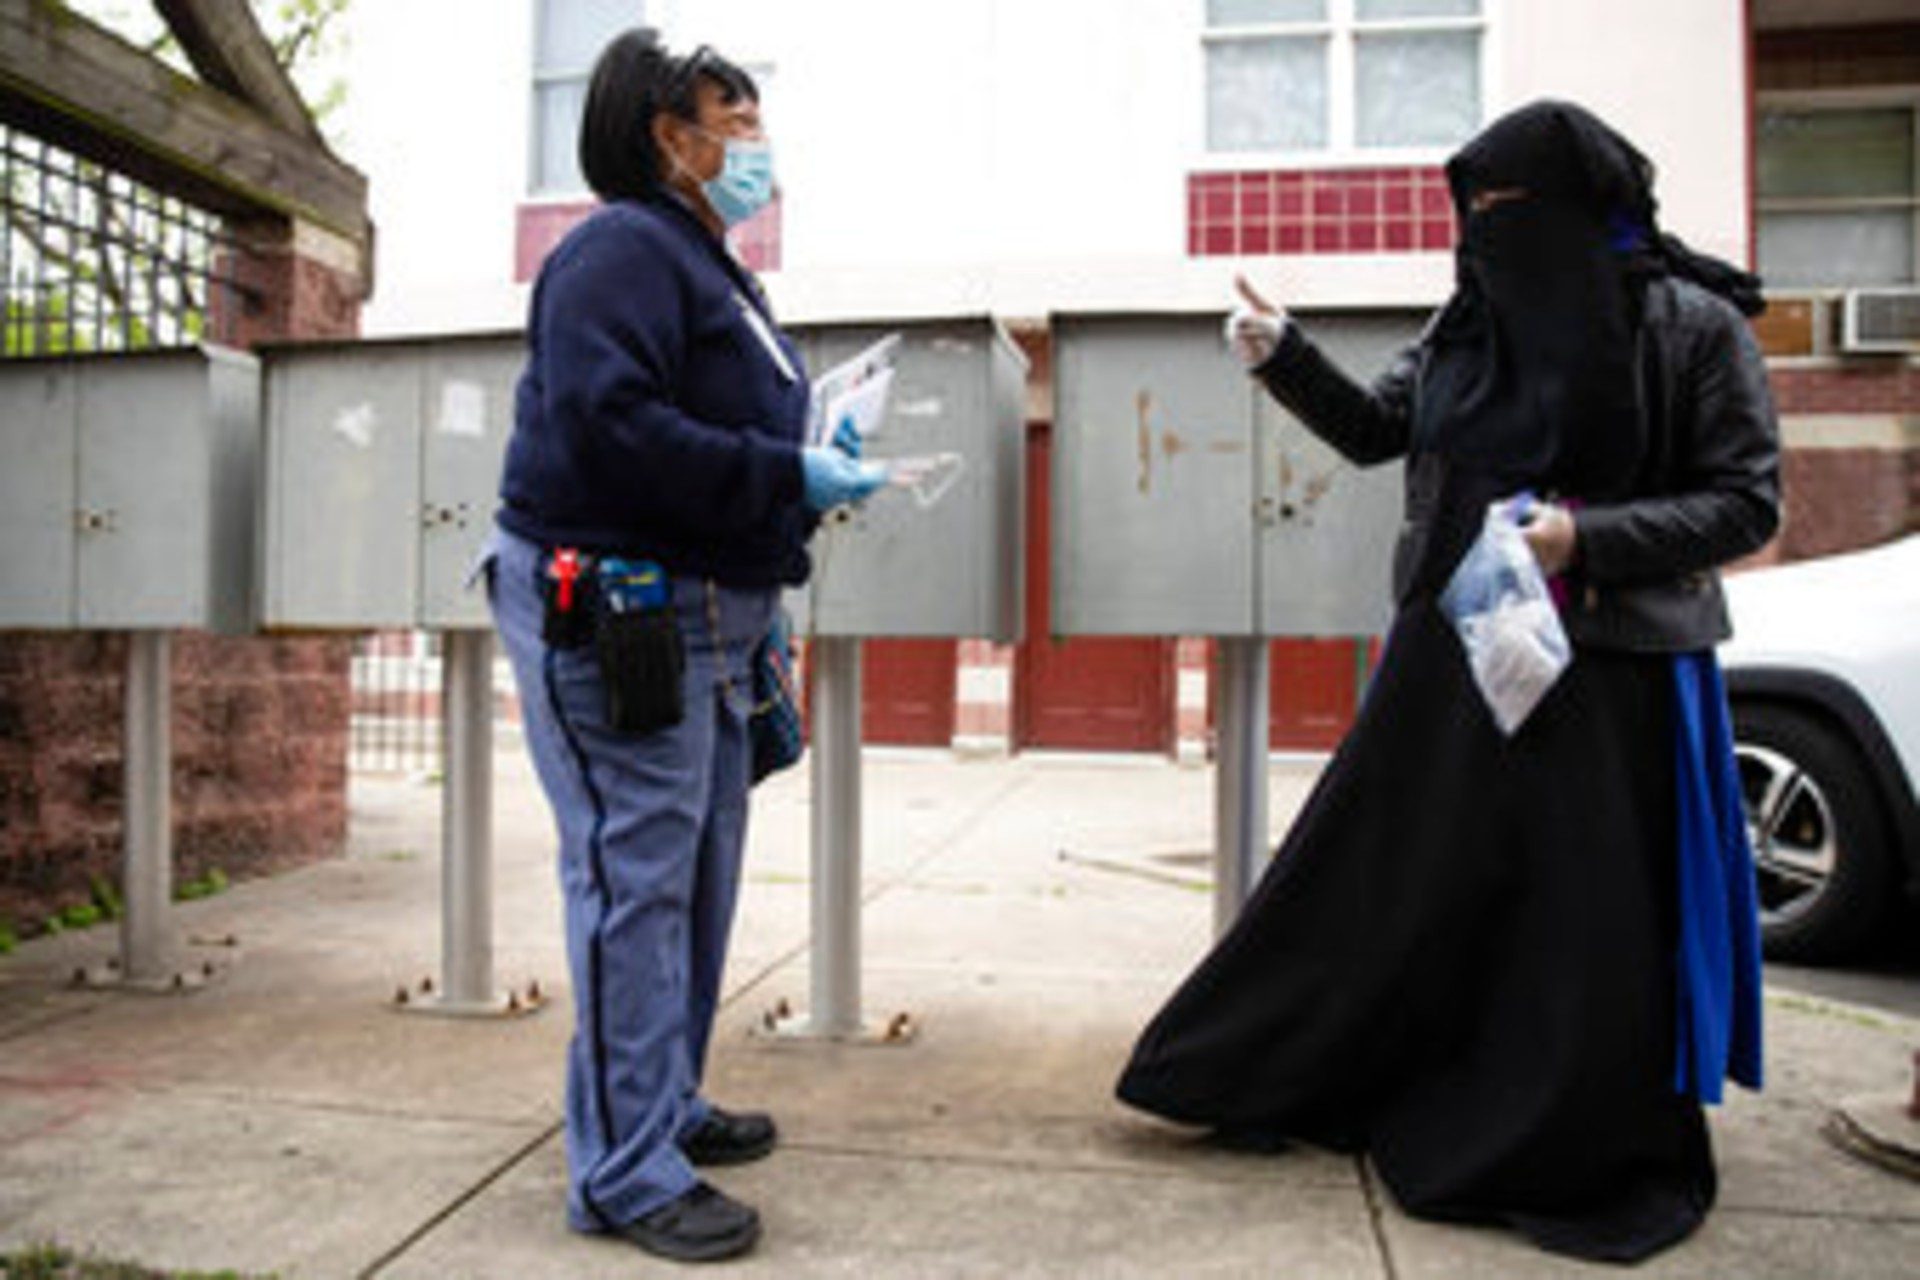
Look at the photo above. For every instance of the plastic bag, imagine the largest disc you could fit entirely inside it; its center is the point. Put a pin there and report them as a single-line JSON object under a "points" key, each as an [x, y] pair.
{"points": [[1499, 603]]}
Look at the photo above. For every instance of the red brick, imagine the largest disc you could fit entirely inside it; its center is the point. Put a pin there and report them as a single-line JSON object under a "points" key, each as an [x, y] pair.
{"points": [[1842, 499]]}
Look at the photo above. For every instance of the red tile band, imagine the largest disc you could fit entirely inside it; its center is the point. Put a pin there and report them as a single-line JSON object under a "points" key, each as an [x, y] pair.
{"points": [[1320, 211]]}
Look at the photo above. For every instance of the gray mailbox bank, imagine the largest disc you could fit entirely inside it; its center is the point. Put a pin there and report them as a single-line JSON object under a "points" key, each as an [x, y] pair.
{"points": [[895, 567], [127, 504], [952, 569], [382, 469], [382, 475], [383, 466], [1187, 502], [126, 495]]}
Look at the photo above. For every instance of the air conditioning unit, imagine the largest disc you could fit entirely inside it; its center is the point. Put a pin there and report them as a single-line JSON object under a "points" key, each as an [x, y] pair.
{"points": [[1881, 320]]}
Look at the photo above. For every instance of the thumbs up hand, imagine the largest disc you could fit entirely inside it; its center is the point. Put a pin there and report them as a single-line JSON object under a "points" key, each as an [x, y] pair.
{"points": [[1254, 327]]}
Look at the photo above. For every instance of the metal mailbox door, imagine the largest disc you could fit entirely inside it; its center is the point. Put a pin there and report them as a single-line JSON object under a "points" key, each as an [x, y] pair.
{"points": [[951, 567], [164, 491], [467, 416], [1153, 480], [343, 466], [39, 444], [1327, 527]]}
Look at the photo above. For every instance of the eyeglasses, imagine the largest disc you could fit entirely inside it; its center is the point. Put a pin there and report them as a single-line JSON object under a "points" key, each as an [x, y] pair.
{"points": [[687, 70]]}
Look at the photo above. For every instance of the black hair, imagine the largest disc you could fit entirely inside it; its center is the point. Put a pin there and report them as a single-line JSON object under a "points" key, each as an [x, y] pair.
{"points": [[634, 80]]}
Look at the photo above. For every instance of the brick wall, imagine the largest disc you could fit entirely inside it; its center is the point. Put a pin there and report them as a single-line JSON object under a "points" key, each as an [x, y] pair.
{"points": [[1840, 496], [1843, 499], [260, 726], [1842, 493], [1879, 386]]}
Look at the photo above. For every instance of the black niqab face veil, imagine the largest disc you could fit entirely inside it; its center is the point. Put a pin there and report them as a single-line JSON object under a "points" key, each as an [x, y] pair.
{"points": [[1532, 379]]}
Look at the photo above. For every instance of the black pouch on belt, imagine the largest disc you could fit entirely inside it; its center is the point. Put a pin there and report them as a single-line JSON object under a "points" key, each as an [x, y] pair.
{"points": [[637, 640]]}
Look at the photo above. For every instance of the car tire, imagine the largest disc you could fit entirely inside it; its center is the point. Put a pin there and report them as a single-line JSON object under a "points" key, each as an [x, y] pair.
{"points": [[1821, 847]]}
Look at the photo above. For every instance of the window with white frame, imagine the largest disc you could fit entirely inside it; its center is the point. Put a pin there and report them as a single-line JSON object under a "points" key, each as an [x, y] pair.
{"points": [[1342, 76], [567, 36], [1838, 194]]}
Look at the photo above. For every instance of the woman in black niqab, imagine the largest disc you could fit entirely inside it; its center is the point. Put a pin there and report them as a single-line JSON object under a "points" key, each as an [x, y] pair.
{"points": [[1531, 378], [1462, 958]]}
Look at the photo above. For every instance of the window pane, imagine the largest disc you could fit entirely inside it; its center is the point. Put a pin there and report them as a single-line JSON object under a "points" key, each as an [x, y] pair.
{"points": [[556, 136], [1836, 153], [1418, 89], [1377, 10], [572, 32], [1231, 13], [1809, 250], [1267, 95]]}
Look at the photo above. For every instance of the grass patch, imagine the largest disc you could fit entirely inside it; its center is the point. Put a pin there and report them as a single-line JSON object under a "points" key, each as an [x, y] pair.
{"points": [[54, 1262], [215, 881], [8, 938], [106, 896], [81, 915]]}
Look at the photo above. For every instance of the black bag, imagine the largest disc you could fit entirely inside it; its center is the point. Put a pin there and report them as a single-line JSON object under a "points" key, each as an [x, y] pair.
{"points": [[775, 727], [637, 639]]}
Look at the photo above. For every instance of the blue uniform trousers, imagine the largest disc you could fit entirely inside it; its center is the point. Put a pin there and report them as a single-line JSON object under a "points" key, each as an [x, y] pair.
{"points": [[650, 830]]}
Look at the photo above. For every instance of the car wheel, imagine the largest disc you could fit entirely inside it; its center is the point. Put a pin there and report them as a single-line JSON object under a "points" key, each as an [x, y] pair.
{"points": [[1820, 847]]}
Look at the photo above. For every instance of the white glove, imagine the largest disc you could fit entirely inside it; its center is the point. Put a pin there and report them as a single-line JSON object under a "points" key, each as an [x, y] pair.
{"points": [[1253, 335], [1255, 327]]}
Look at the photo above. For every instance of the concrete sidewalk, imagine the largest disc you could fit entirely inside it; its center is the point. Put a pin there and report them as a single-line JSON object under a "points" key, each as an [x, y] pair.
{"points": [[1028, 913]]}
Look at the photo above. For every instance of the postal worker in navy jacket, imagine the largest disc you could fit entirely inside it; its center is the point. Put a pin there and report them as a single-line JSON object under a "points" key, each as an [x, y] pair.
{"points": [[657, 493]]}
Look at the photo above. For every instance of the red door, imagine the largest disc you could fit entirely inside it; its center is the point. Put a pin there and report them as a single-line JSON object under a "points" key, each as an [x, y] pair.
{"points": [[1100, 694], [1312, 690], [907, 690]]}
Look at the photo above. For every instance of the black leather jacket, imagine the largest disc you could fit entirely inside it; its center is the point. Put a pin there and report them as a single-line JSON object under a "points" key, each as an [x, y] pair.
{"points": [[1645, 573]]}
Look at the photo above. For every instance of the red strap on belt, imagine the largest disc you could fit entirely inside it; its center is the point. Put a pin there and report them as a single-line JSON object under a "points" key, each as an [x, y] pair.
{"points": [[566, 570]]}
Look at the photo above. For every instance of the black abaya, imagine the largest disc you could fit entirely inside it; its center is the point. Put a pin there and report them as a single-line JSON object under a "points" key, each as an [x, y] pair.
{"points": [[1461, 961]]}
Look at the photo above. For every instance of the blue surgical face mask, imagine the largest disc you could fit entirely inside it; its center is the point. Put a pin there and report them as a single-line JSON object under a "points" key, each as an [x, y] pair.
{"points": [[744, 184]]}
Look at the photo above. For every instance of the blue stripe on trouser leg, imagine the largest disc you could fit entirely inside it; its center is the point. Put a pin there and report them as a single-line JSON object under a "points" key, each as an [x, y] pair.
{"points": [[650, 835], [743, 618]]}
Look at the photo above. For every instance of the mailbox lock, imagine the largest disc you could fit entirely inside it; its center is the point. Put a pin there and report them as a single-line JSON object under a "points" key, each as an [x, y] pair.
{"points": [[94, 521], [435, 516]]}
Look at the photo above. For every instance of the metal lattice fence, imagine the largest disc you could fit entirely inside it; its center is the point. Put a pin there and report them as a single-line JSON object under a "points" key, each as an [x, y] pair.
{"points": [[95, 261], [396, 703]]}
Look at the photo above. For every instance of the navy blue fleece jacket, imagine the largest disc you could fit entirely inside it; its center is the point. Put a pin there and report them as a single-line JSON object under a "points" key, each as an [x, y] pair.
{"points": [[653, 418]]}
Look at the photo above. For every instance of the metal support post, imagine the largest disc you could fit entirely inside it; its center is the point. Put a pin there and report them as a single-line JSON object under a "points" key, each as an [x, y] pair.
{"points": [[833, 673], [466, 840], [150, 958], [146, 877], [1240, 776]]}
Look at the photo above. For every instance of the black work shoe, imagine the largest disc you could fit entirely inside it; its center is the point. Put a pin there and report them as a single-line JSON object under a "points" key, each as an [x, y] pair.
{"points": [[704, 1225], [730, 1137]]}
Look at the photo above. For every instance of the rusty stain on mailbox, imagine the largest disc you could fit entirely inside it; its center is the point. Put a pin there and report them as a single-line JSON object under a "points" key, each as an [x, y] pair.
{"points": [[1143, 403]]}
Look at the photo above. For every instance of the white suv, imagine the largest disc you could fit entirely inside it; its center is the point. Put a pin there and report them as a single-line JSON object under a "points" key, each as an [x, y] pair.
{"points": [[1824, 675]]}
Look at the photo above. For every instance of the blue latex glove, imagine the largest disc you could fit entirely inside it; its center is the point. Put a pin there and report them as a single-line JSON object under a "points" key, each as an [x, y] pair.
{"points": [[847, 438], [833, 479]]}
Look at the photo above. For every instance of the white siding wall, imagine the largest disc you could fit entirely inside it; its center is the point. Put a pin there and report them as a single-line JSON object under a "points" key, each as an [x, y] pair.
{"points": [[1018, 156]]}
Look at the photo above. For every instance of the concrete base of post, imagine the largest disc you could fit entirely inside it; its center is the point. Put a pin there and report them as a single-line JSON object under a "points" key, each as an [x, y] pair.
{"points": [[174, 979], [427, 999], [782, 1022]]}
